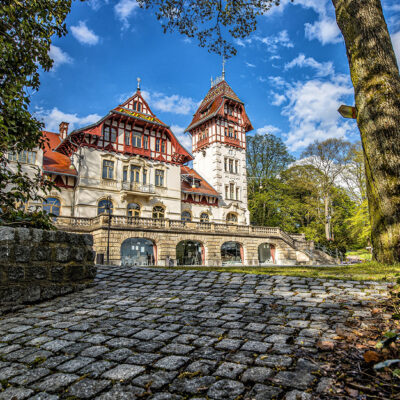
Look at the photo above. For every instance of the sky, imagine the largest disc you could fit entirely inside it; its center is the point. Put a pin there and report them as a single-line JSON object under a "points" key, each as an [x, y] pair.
{"points": [[292, 72]]}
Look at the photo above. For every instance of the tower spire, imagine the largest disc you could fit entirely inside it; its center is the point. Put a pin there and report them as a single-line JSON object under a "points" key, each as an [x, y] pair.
{"points": [[223, 67], [138, 84]]}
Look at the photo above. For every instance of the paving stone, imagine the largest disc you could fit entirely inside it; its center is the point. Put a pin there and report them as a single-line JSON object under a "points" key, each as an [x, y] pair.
{"points": [[297, 395], [229, 370], [298, 380], [258, 347], [121, 392], [274, 361], [205, 367], [171, 363], [30, 376], [44, 396], [280, 339], [229, 344], [195, 385], [225, 389], [176, 348], [56, 382], [257, 374], [95, 369], [123, 372], [94, 351], [156, 380], [143, 358], [56, 345], [75, 364], [118, 355], [263, 392], [13, 393], [87, 388]]}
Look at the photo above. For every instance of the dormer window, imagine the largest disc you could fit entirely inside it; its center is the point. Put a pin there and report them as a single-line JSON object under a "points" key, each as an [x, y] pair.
{"points": [[136, 139]]}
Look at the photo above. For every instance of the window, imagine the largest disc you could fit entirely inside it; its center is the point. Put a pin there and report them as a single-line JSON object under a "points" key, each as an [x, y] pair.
{"points": [[230, 166], [108, 169], [136, 139], [230, 131], [225, 165], [236, 166], [133, 210], [144, 176], [159, 177], [204, 217], [226, 192], [26, 157], [139, 107], [109, 133], [231, 218], [51, 205], [127, 138], [186, 217], [104, 207], [135, 173], [125, 174], [162, 146], [158, 144], [145, 142], [158, 212], [237, 193], [135, 105], [232, 191]]}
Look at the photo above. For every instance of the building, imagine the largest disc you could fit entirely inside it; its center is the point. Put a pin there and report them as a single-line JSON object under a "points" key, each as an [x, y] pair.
{"points": [[129, 165]]}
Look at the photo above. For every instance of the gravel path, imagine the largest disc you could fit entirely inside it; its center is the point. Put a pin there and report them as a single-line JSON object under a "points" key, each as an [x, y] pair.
{"points": [[163, 334]]}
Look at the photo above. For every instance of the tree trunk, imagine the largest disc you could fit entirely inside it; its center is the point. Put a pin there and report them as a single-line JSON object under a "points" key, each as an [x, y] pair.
{"points": [[375, 76], [327, 219]]}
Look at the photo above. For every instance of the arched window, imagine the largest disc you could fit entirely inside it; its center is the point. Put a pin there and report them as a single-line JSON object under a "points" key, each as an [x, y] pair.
{"points": [[104, 206], [204, 217], [231, 218], [51, 205], [186, 216], [158, 212], [133, 210], [231, 253]]}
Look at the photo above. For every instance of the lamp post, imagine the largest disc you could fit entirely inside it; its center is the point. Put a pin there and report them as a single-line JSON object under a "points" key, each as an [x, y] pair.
{"points": [[109, 228]]}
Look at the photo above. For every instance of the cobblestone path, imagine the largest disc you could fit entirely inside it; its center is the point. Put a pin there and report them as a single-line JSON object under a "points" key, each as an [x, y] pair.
{"points": [[162, 334]]}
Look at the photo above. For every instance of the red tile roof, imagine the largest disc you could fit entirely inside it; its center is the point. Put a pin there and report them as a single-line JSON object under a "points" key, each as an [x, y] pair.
{"points": [[53, 161], [204, 188]]}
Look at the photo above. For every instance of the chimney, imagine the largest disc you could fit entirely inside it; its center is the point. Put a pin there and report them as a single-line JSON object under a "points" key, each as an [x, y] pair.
{"points": [[63, 130]]}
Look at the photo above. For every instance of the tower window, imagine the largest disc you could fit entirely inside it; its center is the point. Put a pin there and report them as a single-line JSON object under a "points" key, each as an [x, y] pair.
{"points": [[231, 191], [158, 144], [236, 166], [137, 139]]}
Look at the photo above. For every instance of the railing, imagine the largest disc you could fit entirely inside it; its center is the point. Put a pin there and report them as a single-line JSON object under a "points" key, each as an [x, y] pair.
{"points": [[87, 224], [232, 140], [137, 187], [203, 142]]}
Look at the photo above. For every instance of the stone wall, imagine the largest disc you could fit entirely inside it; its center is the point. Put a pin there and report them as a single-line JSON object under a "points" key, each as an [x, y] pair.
{"points": [[37, 265]]}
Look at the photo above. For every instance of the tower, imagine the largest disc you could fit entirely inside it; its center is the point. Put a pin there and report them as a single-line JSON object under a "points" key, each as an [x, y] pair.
{"points": [[218, 132]]}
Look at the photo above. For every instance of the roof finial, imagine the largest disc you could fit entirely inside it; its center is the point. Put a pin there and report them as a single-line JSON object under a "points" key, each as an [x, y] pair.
{"points": [[211, 81], [138, 84], [223, 67]]}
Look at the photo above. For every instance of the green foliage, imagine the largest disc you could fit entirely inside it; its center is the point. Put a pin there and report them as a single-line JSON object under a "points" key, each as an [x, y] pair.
{"points": [[33, 219], [27, 27], [210, 21]]}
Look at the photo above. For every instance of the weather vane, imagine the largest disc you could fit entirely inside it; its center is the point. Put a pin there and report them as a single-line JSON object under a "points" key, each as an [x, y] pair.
{"points": [[138, 83]]}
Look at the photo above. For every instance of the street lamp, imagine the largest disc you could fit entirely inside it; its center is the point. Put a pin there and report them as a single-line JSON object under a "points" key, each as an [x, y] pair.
{"points": [[108, 208]]}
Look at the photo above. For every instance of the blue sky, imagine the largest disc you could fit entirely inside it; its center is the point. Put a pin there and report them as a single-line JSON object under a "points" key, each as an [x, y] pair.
{"points": [[292, 73]]}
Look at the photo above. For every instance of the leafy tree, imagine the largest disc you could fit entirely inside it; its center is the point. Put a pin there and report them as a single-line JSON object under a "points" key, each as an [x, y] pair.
{"points": [[26, 28], [374, 73], [267, 156]]}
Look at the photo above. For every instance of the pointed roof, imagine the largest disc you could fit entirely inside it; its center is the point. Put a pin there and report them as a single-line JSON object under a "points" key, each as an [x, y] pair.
{"points": [[213, 102]]}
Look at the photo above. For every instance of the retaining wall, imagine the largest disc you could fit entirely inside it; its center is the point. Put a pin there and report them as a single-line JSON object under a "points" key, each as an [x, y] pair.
{"points": [[37, 265]]}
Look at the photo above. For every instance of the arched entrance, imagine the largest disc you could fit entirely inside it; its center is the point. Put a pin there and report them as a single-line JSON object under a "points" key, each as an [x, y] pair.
{"points": [[190, 252], [266, 253], [231, 253], [138, 251]]}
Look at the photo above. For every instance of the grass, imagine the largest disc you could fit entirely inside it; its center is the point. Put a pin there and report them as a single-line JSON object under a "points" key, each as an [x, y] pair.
{"points": [[369, 271], [362, 254]]}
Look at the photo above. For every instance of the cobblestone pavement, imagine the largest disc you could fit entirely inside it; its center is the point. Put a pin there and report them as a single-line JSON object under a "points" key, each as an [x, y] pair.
{"points": [[161, 334]]}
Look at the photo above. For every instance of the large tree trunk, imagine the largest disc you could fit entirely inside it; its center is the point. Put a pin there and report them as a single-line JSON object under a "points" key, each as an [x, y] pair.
{"points": [[376, 82]]}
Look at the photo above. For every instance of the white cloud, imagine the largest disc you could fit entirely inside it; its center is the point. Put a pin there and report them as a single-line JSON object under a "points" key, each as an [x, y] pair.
{"points": [[396, 45], [301, 61], [175, 103], [184, 139], [325, 30], [277, 81], [275, 57], [52, 119], [250, 65], [312, 111], [84, 35], [273, 42], [60, 57], [124, 9], [278, 99], [268, 129]]}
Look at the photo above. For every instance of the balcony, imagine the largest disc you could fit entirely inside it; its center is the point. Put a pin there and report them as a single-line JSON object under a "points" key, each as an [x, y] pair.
{"points": [[137, 188], [203, 142], [232, 141]]}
